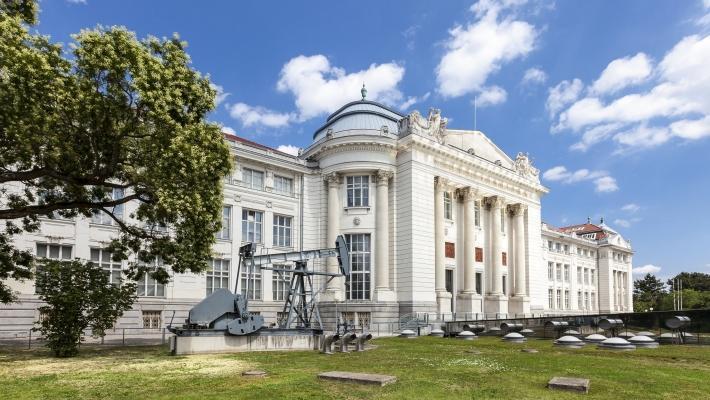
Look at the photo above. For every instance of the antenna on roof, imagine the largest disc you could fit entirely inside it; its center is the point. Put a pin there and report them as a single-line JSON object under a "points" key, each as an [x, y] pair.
{"points": [[474, 112]]}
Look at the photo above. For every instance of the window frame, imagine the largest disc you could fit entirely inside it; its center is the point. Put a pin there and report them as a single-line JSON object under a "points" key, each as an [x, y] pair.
{"points": [[360, 266], [225, 233], [247, 224], [110, 267], [282, 231], [279, 181], [251, 172], [357, 190], [220, 276]]}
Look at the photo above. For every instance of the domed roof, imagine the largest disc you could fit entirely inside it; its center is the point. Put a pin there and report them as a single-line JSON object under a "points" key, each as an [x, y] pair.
{"points": [[361, 115]]}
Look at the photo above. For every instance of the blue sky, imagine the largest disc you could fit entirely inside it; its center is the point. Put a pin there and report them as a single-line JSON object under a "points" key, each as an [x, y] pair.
{"points": [[610, 99]]}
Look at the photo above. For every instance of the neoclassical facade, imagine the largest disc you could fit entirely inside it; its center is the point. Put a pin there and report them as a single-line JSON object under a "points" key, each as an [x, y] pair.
{"points": [[437, 220]]}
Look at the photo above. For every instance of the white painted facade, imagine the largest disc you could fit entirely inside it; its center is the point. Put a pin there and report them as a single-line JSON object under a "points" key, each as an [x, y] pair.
{"points": [[439, 221]]}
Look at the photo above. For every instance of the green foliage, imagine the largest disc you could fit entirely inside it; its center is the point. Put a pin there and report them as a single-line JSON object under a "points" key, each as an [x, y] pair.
{"points": [[78, 296], [648, 293], [25, 10], [692, 280], [115, 113]]}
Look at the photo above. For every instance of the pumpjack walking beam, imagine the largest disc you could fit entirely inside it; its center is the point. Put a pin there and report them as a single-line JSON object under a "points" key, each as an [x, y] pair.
{"points": [[298, 306]]}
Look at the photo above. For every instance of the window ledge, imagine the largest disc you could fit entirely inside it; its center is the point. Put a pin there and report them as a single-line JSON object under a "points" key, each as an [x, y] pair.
{"points": [[357, 210]]}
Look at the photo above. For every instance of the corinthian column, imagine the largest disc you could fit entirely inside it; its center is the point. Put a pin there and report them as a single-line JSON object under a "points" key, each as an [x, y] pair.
{"points": [[496, 205], [444, 305], [333, 291], [382, 245], [469, 244], [519, 227]]}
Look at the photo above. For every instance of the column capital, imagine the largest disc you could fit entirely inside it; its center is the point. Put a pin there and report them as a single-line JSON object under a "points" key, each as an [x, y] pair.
{"points": [[441, 183], [517, 209], [333, 178], [468, 193], [495, 202], [383, 176]]}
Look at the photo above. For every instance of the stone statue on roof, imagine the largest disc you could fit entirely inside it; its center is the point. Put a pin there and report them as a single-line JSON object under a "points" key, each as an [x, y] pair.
{"points": [[433, 126], [524, 167]]}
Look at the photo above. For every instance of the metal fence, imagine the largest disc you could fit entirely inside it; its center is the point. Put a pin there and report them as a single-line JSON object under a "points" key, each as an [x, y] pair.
{"points": [[697, 331], [112, 337]]}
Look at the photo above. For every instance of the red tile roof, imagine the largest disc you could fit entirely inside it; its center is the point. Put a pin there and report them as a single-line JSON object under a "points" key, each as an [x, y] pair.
{"points": [[584, 229]]}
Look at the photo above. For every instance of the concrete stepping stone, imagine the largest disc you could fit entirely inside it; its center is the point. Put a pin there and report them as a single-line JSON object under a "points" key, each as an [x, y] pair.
{"points": [[254, 374], [358, 377], [571, 384]]}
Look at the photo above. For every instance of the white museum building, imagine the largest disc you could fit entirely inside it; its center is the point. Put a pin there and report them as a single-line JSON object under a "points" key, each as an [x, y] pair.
{"points": [[437, 220]]}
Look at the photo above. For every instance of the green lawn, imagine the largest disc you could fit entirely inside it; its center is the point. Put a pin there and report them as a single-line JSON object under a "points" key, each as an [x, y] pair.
{"points": [[425, 367]]}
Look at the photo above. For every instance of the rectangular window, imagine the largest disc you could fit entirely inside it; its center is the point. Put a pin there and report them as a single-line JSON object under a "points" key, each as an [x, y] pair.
{"points": [[479, 281], [225, 232], [559, 299], [282, 231], [549, 245], [586, 300], [449, 250], [448, 209], [567, 300], [551, 271], [593, 305], [280, 282], [558, 273], [566, 273], [348, 318], [281, 318], [566, 249], [218, 275], [52, 252], [558, 247], [580, 300], [251, 282], [479, 254], [504, 257], [148, 286], [100, 217], [505, 281], [591, 276], [586, 276], [358, 189], [112, 268], [251, 226], [151, 320], [253, 179], [283, 185], [550, 299], [579, 275], [363, 320], [579, 251], [358, 283], [477, 213]]}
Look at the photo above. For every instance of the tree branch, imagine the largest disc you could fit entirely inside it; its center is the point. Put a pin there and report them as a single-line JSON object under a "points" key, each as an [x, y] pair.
{"points": [[48, 208]]}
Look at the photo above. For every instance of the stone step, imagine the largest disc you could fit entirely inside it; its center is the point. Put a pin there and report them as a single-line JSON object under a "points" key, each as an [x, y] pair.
{"points": [[358, 377]]}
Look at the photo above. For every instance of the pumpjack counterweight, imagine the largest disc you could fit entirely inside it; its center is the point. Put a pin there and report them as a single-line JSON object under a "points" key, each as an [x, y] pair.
{"points": [[224, 312]]}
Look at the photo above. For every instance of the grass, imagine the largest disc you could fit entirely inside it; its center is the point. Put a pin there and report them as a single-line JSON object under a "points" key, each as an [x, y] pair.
{"points": [[425, 367]]}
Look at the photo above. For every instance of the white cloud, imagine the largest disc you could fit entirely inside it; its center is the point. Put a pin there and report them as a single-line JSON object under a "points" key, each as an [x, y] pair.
{"points": [[621, 73], [646, 269], [564, 93], [289, 149], [534, 76], [603, 182], [319, 87], [227, 129], [482, 47], [624, 223], [491, 96], [410, 35], [676, 105], [76, 2], [412, 100], [258, 116], [630, 208], [221, 94]]}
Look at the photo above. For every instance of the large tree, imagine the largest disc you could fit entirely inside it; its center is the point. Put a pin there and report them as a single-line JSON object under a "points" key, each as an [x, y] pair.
{"points": [[648, 293], [109, 121], [692, 280]]}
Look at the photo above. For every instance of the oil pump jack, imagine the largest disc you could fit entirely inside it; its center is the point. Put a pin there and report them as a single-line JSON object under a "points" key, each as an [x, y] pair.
{"points": [[226, 313]]}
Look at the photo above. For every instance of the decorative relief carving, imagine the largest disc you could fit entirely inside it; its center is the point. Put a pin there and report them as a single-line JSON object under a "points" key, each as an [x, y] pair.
{"points": [[468, 193], [433, 126], [517, 209], [524, 167], [495, 202], [268, 204], [383, 176], [333, 178], [441, 183], [356, 221]]}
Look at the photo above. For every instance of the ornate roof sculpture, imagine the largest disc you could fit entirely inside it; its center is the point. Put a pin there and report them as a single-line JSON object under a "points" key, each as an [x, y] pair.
{"points": [[524, 167], [433, 126]]}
